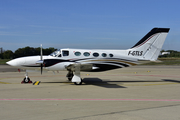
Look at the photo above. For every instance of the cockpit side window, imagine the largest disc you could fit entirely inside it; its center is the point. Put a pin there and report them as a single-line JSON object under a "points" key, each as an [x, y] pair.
{"points": [[55, 53], [59, 55], [65, 53]]}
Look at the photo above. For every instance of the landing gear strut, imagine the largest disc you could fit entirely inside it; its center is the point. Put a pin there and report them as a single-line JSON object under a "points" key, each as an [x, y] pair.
{"points": [[70, 75], [26, 79]]}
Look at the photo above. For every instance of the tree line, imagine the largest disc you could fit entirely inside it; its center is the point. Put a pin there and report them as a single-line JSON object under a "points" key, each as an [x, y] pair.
{"points": [[173, 53], [26, 51]]}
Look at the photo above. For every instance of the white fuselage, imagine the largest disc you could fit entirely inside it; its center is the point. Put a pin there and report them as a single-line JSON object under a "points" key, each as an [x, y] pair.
{"points": [[60, 59]]}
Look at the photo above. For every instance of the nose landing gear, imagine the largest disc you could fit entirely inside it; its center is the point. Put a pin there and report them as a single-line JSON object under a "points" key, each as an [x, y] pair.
{"points": [[26, 79]]}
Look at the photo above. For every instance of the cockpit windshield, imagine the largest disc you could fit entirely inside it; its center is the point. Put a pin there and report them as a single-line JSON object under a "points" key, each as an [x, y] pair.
{"points": [[56, 53]]}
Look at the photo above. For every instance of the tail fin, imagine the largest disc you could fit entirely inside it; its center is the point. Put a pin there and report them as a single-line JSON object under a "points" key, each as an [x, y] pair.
{"points": [[149, 47]]}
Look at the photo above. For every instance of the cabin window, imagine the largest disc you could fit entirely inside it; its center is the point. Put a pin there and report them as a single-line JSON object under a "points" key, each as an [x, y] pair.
{"points": [[104, 54], [95, 54], [65, 53], [111, 55], [77, 53], [86, 54]]}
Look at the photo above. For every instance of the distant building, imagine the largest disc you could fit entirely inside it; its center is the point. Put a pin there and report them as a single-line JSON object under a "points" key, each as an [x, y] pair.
{"points": [[165, 53]]}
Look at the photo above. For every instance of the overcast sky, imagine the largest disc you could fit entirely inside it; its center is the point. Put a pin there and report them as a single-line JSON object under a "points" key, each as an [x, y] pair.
{"points": [[87, 24]]}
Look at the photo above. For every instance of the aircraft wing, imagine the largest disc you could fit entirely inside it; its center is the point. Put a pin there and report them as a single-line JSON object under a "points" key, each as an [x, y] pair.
{"points": [[81, 67]]}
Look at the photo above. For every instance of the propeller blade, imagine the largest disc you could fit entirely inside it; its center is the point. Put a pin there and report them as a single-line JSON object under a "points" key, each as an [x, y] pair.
{"points": [[41, 53], [41, 59], [41, 68]]}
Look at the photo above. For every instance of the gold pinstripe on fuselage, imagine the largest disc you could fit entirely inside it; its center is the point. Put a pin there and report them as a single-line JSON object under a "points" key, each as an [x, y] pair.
{"points": [[112, 60]]}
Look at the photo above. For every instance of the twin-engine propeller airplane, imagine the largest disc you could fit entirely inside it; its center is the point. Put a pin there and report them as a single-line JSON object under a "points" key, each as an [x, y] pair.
{"points": [[94, 60]]}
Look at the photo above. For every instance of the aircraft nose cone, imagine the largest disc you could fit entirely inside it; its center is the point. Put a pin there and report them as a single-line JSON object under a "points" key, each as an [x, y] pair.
{"points": [[16, 62], [11, 63]]}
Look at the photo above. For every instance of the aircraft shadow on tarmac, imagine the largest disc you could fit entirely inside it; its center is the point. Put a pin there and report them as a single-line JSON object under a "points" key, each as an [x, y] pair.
{"points": [[96, 82], [117, 84], [168, 80], [114, 84], [101, 83]]}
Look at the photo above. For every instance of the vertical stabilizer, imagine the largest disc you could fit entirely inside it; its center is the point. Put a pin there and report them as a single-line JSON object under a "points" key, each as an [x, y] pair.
{"points": [[149, 47]]}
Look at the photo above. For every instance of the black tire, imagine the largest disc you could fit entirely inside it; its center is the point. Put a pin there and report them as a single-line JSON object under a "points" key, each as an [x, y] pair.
{"points": [[78, 83], [26, 80]]}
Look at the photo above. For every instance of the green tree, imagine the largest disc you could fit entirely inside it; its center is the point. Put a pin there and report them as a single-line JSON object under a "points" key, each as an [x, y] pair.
{"points": [[48, 51], [29, 51], [1, 57], [19, 53], [8, 54]]}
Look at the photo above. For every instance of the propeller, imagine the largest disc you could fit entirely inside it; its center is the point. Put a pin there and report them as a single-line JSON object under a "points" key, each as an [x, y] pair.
{"points": [[41, 61]]}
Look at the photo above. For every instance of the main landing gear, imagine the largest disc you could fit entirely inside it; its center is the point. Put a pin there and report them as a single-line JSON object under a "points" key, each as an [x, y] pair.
{"points": [[74, 78], [26, 79]]}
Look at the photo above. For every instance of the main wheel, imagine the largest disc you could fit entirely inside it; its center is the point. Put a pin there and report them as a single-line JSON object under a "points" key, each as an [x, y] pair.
{"points": [[78, 83]]}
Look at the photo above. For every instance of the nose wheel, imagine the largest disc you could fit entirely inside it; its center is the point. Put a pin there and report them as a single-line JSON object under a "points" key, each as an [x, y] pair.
{"points": [[26, 79]]}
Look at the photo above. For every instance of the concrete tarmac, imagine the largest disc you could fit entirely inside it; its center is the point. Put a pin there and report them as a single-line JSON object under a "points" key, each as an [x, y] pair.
{"points": [[134, 93]]}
